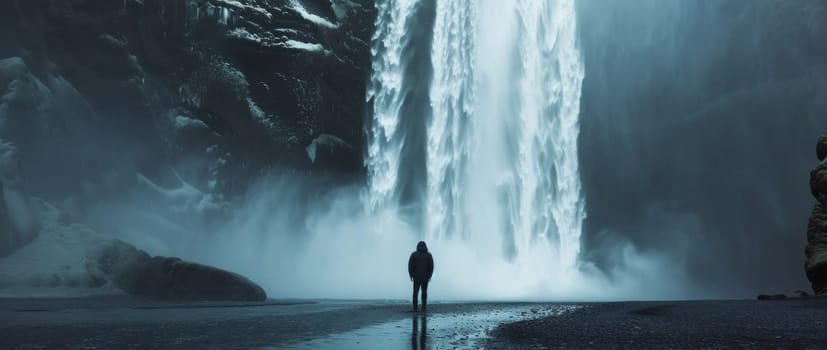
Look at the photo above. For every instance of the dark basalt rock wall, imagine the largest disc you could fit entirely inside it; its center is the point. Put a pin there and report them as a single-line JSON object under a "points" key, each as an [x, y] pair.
{"points": [[204, 96], [216, 91], [816, 250], [173, 107]]}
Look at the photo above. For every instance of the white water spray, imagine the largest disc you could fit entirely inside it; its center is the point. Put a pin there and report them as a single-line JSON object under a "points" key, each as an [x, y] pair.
{"points": [[385, 140], [501, 152], [492, 128], [476, 153], [449, 130]]}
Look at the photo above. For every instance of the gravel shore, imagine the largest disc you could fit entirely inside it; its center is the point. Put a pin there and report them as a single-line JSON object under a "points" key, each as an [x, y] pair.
{"points": [[125, 322], [796, 324]]}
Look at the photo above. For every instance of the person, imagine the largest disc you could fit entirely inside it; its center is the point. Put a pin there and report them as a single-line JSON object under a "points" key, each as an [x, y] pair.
{"points": [[420, 269]]}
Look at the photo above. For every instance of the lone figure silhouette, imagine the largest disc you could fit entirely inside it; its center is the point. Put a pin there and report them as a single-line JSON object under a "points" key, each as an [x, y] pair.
{"points": [[420, 268]]}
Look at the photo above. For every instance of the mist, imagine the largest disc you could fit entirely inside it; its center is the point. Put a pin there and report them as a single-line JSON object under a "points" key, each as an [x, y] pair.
{"points": [[698, 123], [299, 241], [558, 150], [498, 196]]}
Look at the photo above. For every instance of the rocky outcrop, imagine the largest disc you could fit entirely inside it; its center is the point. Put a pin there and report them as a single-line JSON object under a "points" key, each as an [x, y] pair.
{"points": [[816, 250], [71, 259], [200, 88], [196, 99], [175, 105], [137, 273]]}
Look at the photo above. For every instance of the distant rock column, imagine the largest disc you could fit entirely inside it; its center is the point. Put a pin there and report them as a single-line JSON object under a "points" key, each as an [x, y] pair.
{"points": [[816, 250]]}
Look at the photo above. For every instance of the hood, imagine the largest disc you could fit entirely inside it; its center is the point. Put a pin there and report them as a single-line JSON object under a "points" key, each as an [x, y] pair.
{"points": [[421, 247]]}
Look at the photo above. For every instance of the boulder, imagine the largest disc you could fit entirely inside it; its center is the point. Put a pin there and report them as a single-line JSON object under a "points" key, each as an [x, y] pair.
{"points": [[821, 147], [771, 297], [137, 273]]}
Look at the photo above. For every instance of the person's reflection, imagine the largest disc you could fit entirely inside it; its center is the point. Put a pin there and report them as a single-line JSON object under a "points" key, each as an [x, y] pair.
{"points": [[419, 335]]}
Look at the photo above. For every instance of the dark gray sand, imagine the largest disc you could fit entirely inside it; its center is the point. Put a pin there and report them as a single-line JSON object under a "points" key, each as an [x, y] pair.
{"points": [[786, 324], [131, 323]]}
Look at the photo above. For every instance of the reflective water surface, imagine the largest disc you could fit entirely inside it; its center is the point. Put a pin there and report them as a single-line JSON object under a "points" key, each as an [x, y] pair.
{"points": [[461, 329]]}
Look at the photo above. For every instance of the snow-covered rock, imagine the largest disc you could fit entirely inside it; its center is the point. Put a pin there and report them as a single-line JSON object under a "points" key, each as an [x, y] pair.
{"points": [[141, 119], [329, 142], [164, 80], [70, 259], [57, 262], [199, 97]]}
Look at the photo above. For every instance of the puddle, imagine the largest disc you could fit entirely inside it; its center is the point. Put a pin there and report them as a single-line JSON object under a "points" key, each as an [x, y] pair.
{"points": [[448, 330]]}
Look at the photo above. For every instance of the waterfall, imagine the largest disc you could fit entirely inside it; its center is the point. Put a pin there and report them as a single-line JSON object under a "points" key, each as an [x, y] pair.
{"points": [[449, 129], [548, 202], [501, 139], [385, 140]]}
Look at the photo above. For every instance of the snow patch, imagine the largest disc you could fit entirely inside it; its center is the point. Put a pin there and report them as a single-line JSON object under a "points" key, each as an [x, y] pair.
{"points": [[58, 263], [112, 41], [299, 45], [236, 5], [286, 31], [316, 19], [324, 140], [243, 34], [259, 115], [183, 122]]}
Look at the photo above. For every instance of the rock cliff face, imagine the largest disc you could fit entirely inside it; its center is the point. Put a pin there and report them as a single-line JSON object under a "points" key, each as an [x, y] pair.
{"points": [[181, 103], [203, 95], [816, 265], [216, 91]]}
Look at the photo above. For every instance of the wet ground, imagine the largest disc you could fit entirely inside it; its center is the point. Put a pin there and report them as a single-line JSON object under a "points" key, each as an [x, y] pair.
{"points": [[131, 323], [728, 324], [448, 326]]}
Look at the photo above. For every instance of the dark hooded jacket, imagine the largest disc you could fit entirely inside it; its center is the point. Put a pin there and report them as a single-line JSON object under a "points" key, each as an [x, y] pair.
{"points": [[421, 263]]}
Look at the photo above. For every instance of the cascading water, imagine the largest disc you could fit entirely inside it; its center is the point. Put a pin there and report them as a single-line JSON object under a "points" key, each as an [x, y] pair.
{"points": [[386, 90], [549, 202], [449, 129], [501, 140]]}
